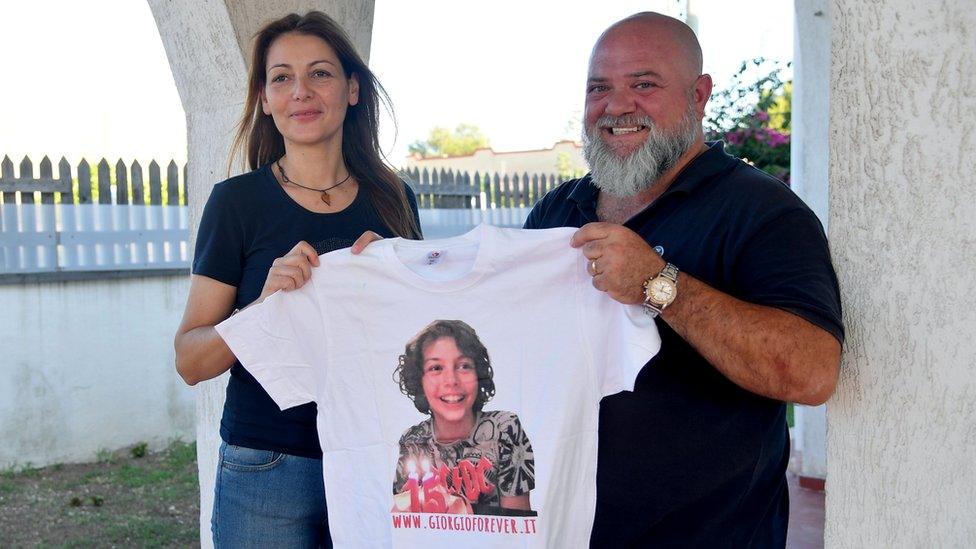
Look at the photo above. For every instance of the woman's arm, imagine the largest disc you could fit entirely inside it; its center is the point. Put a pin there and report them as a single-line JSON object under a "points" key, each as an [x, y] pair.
{"points": [[201, 354]]}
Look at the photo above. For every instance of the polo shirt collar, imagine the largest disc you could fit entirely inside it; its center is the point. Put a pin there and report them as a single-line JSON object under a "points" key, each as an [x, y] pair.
{"points": [[699, 171], [585, 193]]}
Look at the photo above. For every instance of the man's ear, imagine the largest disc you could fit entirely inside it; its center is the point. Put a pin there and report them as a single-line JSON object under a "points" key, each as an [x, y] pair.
{"points": [[702, 91]]}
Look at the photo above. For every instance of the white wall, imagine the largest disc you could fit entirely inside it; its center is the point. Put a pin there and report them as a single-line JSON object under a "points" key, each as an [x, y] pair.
{"points": [[88, 366], [902, 427], [541, 161]]}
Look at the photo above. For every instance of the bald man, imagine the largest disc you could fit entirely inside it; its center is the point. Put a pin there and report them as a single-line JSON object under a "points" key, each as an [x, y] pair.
{"points": [[737, 272]]}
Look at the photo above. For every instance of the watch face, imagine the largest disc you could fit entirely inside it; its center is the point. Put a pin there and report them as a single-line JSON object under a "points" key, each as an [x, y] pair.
{"points": [[661, 290]]}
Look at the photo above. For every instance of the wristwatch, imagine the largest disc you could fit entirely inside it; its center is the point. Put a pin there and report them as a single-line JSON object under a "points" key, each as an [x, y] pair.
{"points": [[660, 290]]}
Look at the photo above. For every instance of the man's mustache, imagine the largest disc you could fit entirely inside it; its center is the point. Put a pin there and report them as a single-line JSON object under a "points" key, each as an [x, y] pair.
{"points": [[608, 121]]}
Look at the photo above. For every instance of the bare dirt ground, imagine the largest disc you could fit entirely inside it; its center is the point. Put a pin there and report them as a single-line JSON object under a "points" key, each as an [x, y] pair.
{"points": [[130, 498]]}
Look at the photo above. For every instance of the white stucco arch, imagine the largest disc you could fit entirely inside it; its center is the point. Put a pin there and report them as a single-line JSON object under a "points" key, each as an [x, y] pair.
{"points": [[902, 112], [207, 44]]}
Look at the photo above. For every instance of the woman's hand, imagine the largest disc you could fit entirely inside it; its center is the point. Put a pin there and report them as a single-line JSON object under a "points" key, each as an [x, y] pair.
{"points": [[364, 239], [290, 271], [200, 353]]}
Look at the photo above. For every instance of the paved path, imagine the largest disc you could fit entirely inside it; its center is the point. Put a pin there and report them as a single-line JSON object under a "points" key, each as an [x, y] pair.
{"points": [[806, 516]]}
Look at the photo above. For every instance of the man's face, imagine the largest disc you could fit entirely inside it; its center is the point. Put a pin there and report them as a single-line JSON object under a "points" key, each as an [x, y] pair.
{"points": [[642, 110]]}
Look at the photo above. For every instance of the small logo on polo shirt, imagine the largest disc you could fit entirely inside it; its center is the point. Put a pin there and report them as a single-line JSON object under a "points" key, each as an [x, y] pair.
{"points": [[660, 250]]}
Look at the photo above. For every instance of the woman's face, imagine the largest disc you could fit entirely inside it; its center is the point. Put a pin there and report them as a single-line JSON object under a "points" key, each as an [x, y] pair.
{"points": [[306, 91], [450, 384]]}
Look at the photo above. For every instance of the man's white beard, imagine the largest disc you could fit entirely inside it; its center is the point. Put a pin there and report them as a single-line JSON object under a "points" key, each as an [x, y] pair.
{"points": [[622, 177]]}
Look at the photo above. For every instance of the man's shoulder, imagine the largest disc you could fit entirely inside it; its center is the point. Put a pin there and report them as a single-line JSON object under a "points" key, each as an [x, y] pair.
{"points": [[566, 189], [558, 205], [756, 193]]}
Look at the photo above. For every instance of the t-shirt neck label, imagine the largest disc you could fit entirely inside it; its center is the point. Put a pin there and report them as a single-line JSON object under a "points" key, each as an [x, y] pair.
{"points": [[435, 256], [443, 264]]}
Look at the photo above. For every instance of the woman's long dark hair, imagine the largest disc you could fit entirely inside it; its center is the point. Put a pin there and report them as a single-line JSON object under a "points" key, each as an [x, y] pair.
{"points": [[260, 141]]}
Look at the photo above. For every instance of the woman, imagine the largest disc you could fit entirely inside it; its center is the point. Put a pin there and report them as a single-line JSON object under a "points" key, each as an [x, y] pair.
{"points": [[309, 132], [461, 459]]}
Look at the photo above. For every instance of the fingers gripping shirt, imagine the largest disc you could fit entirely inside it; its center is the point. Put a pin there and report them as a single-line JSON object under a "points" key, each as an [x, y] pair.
{"points": [[458, 384]]}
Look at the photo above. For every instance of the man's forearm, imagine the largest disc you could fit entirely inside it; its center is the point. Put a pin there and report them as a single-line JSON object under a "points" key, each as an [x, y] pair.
{"points": [[762, 349]]}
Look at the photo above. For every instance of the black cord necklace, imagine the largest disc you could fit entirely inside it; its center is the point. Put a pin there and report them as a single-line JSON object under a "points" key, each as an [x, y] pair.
{"points": [[325, 191]]}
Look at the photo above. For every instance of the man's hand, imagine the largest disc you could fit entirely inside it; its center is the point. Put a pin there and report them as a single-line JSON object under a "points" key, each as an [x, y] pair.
{"points": [[619, 260]]}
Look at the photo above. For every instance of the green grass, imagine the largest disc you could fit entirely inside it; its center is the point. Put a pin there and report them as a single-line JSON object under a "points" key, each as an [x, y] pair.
{"points": [[789, 414], [182, 455], [128, 498], [143, 531], [8, 487]]}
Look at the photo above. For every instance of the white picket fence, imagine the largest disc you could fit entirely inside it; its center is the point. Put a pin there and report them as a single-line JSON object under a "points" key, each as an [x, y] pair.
{"points": [[114, 221], [119, 221], [39, 238]]}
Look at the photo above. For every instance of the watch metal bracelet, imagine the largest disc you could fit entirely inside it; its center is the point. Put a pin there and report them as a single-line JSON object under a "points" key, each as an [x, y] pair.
{"points": [[671, 272]]}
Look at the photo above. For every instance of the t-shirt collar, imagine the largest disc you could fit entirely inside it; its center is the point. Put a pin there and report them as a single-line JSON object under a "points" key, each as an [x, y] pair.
{"points": [[698, 172]]}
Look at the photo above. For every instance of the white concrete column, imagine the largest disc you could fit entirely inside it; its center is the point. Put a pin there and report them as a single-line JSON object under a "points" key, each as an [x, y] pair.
{"points": [[811, 101], [902, 426], [808, 178], [207, 44]]}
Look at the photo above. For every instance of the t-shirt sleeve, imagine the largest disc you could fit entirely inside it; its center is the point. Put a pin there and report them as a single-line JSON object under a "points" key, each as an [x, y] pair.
{"points": [[619, 339], [219, 246], [278, 341], [516, 466], [786, 264]]}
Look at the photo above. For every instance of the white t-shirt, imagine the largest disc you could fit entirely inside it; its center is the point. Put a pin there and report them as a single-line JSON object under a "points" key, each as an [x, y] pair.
{"points": [[499, 337]]}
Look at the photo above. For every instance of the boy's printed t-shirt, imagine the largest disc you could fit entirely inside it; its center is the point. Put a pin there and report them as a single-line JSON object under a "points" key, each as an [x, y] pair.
{"points": [[458, 384]]}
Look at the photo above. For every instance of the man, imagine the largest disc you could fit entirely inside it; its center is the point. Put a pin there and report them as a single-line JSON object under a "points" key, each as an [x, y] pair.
{"points": [[737, 269]]}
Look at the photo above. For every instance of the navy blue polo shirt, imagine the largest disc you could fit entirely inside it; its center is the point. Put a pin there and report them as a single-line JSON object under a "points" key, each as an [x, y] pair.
{"points": [[248, 222], [689, 458]]}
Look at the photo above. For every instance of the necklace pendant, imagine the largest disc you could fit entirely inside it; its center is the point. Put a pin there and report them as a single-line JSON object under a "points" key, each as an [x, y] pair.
{"points": [[325, 198]]}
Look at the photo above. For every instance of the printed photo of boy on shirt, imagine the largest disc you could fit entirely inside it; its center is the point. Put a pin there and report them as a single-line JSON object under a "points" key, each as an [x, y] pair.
{"points": [[461, 459]]}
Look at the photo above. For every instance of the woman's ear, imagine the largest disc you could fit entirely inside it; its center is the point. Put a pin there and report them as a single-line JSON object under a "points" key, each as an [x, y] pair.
{"points": [[265, 107], [353, 89]]}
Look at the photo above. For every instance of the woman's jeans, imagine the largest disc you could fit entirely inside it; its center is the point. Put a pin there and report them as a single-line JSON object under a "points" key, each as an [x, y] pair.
{"points": [[268, 499]]}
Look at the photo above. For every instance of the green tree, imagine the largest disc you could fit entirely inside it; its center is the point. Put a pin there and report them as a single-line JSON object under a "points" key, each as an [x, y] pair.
{"points": [[566, 169], [465, 139], [756, 86], [781, 108], [752, 116]]}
